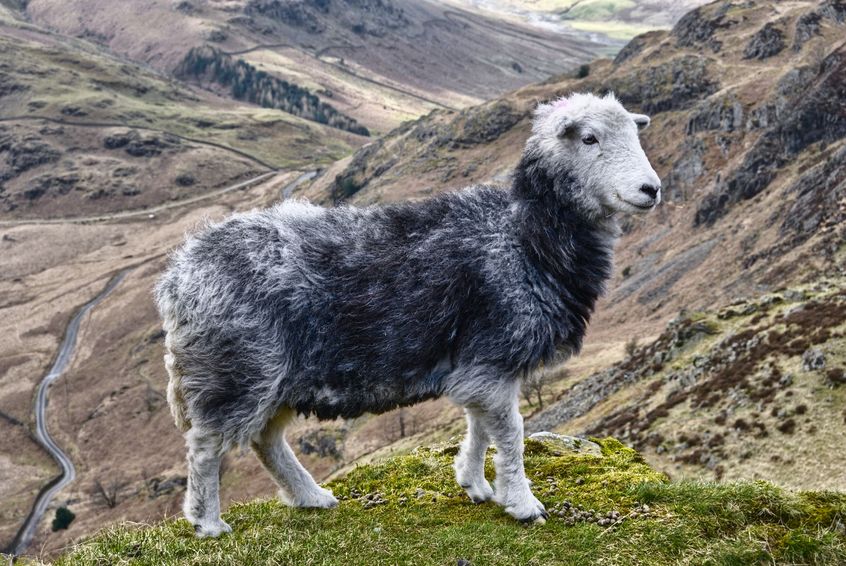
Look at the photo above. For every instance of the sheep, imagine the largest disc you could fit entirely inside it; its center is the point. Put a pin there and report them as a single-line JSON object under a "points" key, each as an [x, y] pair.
{"points": [[335, 312]]}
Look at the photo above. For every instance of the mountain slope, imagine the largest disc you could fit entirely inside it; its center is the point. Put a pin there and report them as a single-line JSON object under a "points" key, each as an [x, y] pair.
{"points": [[608, 507], [750, 391], [749, 150], [379, 61], [82, 132]]}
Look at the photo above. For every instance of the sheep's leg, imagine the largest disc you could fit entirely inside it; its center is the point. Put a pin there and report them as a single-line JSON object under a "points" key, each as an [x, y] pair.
{"points": [[470, 461], [296, 486], [505, 426], [202, 501]]}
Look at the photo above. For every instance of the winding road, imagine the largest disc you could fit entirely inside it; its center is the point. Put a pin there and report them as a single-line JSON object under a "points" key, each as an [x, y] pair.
{"points": [[68, 472], [65, 355]]}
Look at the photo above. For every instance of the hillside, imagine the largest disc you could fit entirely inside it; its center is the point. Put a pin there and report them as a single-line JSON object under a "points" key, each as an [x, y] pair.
{"points": [[754, 390], [608, 508], [747, 134], [90, 138], [378, 61], [82, 132]]}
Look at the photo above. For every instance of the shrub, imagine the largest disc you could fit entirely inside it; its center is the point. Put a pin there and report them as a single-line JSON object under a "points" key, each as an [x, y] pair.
{"points": [[584, 70], [64, 517]]}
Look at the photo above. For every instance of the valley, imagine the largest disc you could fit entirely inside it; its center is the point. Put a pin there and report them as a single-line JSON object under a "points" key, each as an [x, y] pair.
{"points": [[107, 158]]}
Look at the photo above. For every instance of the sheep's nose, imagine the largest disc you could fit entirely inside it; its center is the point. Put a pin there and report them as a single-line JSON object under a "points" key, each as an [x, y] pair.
{"points": [[650, 190]]}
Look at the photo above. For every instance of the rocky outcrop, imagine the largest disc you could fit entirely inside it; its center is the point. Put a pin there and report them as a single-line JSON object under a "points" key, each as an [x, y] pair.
{"points": [[767, 42], [699, 27], [297, 14], [723, 113], [673, 85], [807, 26], [813, 112], [137, 144], [22, 154]]}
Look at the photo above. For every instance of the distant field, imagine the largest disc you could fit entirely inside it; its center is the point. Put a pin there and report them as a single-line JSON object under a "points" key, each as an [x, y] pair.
{"points": [[616, 19]]}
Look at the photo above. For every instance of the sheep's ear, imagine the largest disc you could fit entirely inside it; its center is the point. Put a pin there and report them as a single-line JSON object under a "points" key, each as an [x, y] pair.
{"points": [[544, 115], [564, 126], [641, 120]]}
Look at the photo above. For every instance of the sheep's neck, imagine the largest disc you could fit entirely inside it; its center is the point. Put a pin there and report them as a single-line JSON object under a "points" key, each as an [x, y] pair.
{"points": [[568, 252]]}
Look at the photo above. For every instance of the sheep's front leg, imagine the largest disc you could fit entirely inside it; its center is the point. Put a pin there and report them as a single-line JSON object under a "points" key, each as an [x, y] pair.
{"points": [[505, 426], [202, 502], [297, 487], [470, 461]]}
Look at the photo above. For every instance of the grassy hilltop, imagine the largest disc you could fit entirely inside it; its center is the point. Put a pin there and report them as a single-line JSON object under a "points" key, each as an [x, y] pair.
{"points": [[408, 510]]}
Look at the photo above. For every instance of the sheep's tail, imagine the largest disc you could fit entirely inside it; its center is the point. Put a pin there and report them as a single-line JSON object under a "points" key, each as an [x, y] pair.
{"points": [[175, 396], [175, 391]]}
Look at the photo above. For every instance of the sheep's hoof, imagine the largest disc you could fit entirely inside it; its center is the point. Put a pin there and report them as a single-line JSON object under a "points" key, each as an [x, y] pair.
{"points": [[211, 529], [528, 511], [319, 498], [479, 492], [539, 519]]}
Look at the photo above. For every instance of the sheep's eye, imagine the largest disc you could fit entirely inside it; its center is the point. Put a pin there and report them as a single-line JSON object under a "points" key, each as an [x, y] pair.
{"points": [[589, 139]]}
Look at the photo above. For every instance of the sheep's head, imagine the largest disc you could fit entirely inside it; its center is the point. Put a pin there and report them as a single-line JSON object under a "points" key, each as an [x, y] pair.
{"points": [[595, 141]]}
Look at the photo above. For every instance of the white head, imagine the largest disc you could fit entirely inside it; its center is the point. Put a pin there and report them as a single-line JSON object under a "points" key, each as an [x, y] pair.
{"points": [[595, 140]]}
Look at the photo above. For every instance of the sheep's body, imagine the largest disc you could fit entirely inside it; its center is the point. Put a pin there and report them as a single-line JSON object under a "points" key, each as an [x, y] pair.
{"points": [[343, 311], [336, 312]]}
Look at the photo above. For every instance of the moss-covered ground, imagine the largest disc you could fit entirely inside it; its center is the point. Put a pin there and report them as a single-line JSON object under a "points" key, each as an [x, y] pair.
{"points": [[408, 510]]}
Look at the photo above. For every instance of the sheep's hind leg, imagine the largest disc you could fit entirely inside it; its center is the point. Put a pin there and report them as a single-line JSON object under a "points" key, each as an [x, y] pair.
{"points": [[202, 501], [297, 487], [504, 424], [470, 461]]}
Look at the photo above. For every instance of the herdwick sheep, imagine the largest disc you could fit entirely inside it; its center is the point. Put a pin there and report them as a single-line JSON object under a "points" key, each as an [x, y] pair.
{"points": [[335, 312]]}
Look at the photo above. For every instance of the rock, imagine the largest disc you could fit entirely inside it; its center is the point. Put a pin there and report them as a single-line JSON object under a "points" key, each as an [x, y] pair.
{"points": [[812, 112], [322, 443], [23, 155], [158, 486], [699, 26], [564, 443], [295, 14], [631, 49], [717, 113], [217, 36], [185, 180], [807, 26], [672, 85], [138, 145], [74, 111], [767, 42], [813, 359]]}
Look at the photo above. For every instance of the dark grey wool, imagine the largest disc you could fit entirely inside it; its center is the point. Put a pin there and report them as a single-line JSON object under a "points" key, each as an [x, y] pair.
{"points": [[342, 311]]}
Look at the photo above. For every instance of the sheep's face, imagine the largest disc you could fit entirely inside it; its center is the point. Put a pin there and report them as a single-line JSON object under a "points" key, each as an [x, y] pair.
{"points": [[595, 140]]}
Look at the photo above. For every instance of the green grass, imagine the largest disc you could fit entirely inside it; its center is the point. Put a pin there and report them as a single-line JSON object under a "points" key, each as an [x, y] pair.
{"points": [[428, 520]]}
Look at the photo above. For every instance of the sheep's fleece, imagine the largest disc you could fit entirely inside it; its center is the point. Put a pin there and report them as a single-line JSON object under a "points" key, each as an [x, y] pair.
{"points": [[340, 311]]}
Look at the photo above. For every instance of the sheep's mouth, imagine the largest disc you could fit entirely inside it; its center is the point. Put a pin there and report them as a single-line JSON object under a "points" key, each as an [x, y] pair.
{"points": [[644, 207]]}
